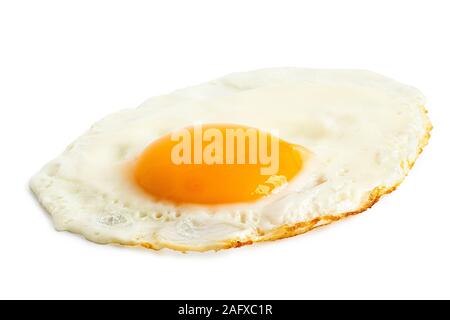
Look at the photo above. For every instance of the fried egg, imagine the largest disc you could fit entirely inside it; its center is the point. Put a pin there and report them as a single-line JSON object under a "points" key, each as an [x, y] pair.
{"points": [[343, 139]]}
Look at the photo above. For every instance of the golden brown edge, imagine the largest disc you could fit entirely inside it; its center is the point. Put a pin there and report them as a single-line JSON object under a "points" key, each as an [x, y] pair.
{"points": [[287, 231]]}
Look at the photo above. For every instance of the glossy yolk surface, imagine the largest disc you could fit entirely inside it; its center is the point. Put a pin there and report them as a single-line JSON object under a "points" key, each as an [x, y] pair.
{"points": [[204, 172]]}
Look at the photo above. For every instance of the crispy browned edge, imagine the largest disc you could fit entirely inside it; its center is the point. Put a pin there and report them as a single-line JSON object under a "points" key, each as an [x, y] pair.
{"points": [[287, 231]]}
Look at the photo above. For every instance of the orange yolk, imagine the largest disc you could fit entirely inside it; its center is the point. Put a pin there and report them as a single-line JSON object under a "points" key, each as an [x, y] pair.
{"points": [[216, 164]]}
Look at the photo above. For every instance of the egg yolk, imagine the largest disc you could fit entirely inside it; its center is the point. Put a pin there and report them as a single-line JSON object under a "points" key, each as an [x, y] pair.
{"points": [[217, 164]]}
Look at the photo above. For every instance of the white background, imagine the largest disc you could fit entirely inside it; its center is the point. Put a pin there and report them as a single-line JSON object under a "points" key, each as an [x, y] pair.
{"points": [[66, 64]]}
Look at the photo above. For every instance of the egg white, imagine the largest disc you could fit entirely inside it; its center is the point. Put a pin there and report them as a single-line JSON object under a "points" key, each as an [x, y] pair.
{"points": [[365, 131]]}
